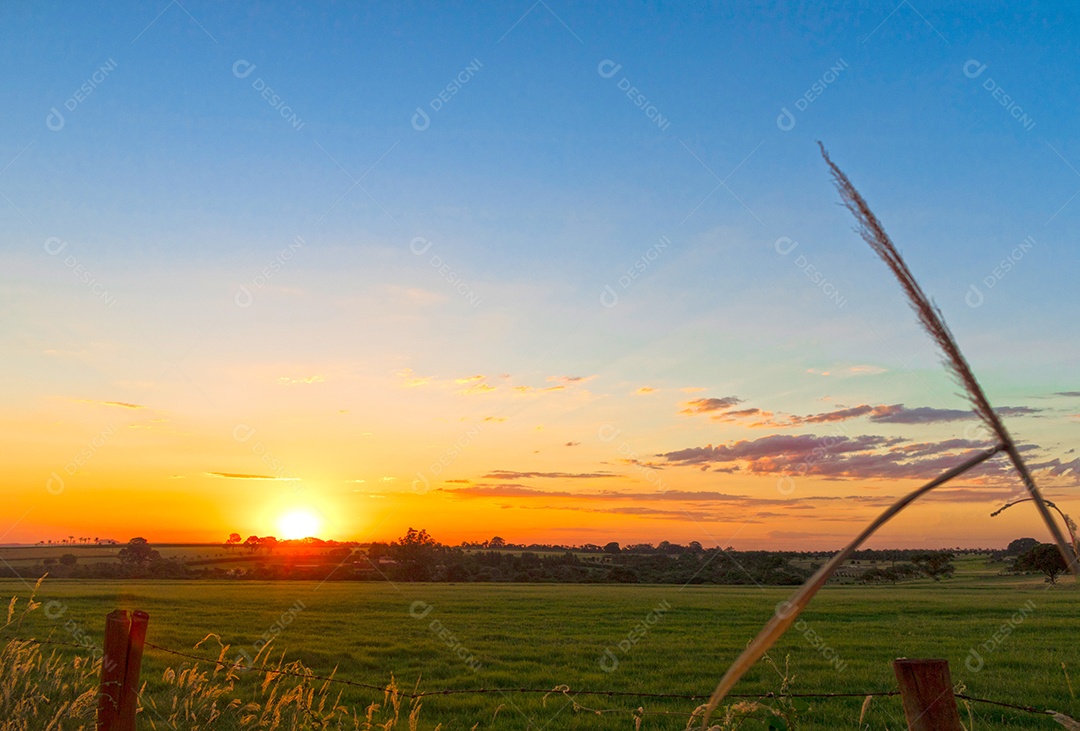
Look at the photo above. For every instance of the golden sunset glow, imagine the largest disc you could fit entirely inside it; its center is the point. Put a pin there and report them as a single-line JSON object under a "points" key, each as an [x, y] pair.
{"points": [[623, 304], [299, 524]]}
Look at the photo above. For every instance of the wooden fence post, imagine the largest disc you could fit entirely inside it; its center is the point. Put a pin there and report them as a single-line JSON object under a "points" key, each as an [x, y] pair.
{"points": [[113, 665], [927, 692], [129, 698], [120, 665]]}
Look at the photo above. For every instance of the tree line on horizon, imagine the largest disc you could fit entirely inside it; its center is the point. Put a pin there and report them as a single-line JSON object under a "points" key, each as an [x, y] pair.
{"points": [[418, 557]]}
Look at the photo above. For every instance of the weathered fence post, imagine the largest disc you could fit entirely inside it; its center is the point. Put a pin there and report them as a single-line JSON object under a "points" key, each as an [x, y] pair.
{"points": [[113, 664], [120, 665], [927, 692]]}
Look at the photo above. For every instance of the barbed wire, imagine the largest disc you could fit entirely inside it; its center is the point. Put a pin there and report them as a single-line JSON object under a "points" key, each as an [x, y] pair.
{"points": [[557, 690]]}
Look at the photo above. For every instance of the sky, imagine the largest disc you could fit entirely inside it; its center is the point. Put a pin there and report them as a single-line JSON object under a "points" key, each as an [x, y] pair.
{"points": [[556, 272]]}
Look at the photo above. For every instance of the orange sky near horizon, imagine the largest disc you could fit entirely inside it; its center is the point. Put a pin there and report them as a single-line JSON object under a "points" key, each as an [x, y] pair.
{"points": [[551, 461]]}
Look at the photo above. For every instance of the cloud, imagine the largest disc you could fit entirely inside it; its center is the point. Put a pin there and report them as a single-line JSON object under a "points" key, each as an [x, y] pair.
{"points": [[411, 380], [477, 387], [1017, 410], [246, 476], [512, 475], [1068, 394], [568, 380], [286, 381], [882, 414], [849, 371], [119, 404], [572, 444], [900, 414], [706, 405], [866, 370], [836, 457], [644, 390], [692, 497], [469, 379]]}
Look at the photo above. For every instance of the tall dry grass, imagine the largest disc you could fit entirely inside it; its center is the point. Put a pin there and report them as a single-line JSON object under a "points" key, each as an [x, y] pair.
{"points": [[56, 690], [873, 233]]}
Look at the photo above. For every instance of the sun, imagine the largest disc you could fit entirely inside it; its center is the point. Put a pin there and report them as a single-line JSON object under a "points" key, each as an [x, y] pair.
{"points": [[299, 524]]}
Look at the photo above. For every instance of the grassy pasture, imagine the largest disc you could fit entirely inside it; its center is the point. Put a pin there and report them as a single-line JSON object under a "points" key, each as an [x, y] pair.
{"points": [[541, 636]]}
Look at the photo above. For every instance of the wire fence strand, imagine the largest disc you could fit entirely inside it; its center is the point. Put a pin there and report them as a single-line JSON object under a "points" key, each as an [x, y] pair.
{"points": [[564, 690]]}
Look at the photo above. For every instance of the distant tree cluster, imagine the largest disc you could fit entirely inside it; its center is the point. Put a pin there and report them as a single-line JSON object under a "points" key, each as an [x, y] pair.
{"points": [[417, 556], [1042, 558]]}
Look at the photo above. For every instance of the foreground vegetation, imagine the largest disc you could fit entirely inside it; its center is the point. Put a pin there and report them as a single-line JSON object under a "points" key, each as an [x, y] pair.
{"points": [[642, 639]]}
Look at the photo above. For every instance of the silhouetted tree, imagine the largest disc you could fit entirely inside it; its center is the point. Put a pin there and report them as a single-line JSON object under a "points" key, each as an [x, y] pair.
{"points": [[137, 552], [1044, 557], [1020, 546]]}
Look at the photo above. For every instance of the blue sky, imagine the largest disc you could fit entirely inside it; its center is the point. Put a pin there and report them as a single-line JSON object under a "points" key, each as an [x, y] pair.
{"points": [[538, 183]]}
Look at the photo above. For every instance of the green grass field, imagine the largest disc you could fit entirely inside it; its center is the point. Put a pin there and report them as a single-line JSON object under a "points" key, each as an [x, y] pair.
{"points": [[543, 636]]}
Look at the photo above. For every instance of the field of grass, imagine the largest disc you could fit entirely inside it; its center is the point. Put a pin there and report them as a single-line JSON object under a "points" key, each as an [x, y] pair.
{"points": [[543, 636]]}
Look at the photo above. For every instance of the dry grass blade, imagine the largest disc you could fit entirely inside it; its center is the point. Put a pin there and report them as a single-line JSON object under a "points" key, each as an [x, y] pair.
{"points": [[864, 709], [787, 612], [873, 233]]}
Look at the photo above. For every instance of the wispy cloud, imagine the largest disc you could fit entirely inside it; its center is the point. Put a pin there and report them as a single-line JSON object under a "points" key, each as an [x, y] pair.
{"points": [[118, 404], [721, 410], [513, 475], [707, 405], [246, 476], [835, 457], [286, 381], [409, 379]]}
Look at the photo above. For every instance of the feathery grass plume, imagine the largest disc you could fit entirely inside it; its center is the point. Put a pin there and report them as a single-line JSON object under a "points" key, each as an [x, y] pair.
{"points": [[1069, 522], [785, 617], [930, 318]]}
